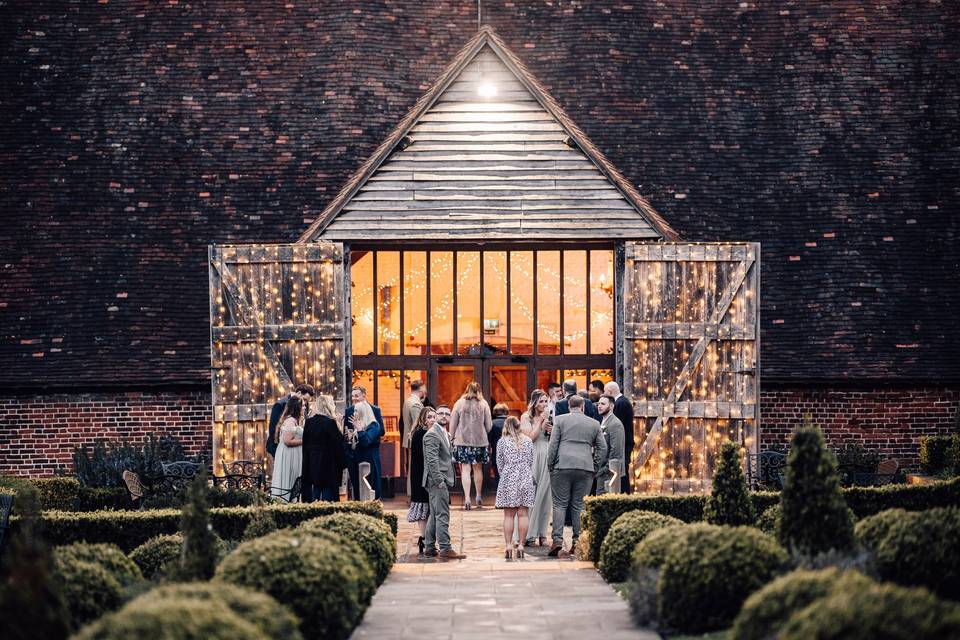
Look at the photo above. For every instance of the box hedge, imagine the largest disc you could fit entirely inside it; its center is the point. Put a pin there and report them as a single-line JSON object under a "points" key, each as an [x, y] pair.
{"points": [[916, 547], [372, 534], [875, 611], [767, 610], [711, 572], [307, 574], [602, 511], [88, 588], [351, 553], [129, 529], [940, 454], [124, 570], [172, 619], [272, 618], [60, 493], [156, 554], [629, 529]]}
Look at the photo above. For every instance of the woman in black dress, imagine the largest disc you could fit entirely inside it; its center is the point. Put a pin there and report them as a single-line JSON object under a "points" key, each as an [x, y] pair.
{"points": [[323, 456], [419, 499]]}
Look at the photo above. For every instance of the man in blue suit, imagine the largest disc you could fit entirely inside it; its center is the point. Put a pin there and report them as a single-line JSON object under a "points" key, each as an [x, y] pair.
{"points": [[368, 444], [563, 406]]}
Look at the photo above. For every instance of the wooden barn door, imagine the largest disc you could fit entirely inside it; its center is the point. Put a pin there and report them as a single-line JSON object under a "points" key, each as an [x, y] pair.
{"points": [[276, 320], [691, 358]]}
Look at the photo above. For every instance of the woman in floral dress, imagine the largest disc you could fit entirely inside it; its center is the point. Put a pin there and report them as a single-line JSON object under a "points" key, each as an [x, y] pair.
{"points": [[516, 492]]}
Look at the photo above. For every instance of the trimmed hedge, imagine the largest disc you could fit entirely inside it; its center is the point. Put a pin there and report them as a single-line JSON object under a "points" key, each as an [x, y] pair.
{"points": [[124, 570], [172, 619], [351, 553], [916, 548], [88, 588], [154, 555], [940, 454], [711, 572], [305, 573], [129, 529], [54, 493], [629, 529], [373, 535], [767, 610], [601, 511], [274, 620], [875, 611]]}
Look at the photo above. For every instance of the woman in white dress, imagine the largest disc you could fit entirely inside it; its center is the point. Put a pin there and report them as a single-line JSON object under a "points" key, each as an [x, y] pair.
{"points": [[288, 462], [535, 425]]}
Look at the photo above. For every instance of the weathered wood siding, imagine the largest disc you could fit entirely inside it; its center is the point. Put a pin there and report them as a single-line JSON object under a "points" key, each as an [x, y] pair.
{"points": [[690, 358], [495, 167], [276, 320]]}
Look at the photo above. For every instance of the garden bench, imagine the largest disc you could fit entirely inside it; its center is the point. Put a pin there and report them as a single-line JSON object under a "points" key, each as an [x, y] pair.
{"points": [[243, 475], [177, 475], [765, 469], [884, 474], [6, 506], [135, 487], [288, 495]]}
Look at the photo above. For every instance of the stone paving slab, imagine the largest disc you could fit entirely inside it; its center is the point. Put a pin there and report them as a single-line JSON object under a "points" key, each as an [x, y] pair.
{"points": [[485, 596]]}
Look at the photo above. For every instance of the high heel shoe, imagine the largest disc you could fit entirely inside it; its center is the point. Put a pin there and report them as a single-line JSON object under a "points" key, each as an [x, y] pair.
{"points": [[420, 544], [466, 506], [479, 503], [508, 554], [519, 551]]}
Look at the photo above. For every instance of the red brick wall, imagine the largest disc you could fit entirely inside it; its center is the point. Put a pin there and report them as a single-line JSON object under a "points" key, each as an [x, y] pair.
{"points": [[38, 433], [889, 421]]}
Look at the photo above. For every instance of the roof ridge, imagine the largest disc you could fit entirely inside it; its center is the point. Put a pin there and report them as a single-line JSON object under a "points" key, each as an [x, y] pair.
{"points": [[486, 35]]}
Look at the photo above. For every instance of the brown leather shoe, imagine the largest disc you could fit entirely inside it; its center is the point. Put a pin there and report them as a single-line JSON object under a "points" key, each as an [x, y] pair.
{"points": [[450, 554], [555, 550]]}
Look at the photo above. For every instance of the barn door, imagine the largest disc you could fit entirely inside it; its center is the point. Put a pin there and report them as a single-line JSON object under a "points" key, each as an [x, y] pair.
{"points": [[690, 358], [276, 320]]}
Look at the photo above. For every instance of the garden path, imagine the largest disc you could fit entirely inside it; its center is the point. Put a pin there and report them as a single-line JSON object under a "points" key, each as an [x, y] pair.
{"points": [[484, 596]]}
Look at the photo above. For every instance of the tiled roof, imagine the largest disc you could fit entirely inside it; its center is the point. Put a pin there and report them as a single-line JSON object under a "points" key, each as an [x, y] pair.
{"points": [[133, 134]]}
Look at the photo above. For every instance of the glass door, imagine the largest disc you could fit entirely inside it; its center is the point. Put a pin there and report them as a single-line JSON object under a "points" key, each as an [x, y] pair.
{"points": [[450, 379], [507, 383]]}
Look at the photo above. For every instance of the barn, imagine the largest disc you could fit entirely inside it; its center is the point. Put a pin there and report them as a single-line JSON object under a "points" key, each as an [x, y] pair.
{"points": [[207, 204]]}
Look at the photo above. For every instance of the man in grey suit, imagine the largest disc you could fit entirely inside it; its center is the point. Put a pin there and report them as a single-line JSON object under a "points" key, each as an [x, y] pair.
{"points": [[438, 480], [613, 433], [576, 451]]}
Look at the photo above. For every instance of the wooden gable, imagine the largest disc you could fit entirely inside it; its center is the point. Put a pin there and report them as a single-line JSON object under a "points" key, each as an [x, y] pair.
{"points": [[487, 153]]}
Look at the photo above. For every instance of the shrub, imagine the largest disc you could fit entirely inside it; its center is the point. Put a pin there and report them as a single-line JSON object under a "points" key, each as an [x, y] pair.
{"points": [[853, 458], [89, 589], [31, 600], [261, 523], [814, 515], [374, 536], [172, 619], [651, 552], [391, 520], [916, 548], [767, 610], [198, 554], [52, 493], [769, 520], [273, 619], [305, 573], [97, 498], [156, 554], [109, 556], [729, 502], [629, 529], [103, 465], [350, 553], [940, 455], [129, 529], [215, 498], [875, 611], [866, 501], [711, 572]]}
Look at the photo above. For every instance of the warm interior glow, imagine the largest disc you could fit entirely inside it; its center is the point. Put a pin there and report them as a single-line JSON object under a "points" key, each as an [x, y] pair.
{"points": [[487, 89]]}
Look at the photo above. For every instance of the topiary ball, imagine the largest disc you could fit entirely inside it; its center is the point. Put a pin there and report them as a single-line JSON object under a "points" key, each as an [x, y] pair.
{"points": [[651, 552], [109, 556], [89, 589], [304, 573], [372, 534], [172, 619], [272, 618], [351, 553], [629, 529], [875, 611], [916, 548], [154, 555], [767, 610], [706, 577]]}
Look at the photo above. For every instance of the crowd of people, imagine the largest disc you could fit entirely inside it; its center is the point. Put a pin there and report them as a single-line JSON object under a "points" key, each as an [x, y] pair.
{"points": [[566, 445]]}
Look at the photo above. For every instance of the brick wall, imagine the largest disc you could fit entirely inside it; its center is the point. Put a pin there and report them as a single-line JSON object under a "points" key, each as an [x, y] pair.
{"points": [[38, 433], [889, 421]]}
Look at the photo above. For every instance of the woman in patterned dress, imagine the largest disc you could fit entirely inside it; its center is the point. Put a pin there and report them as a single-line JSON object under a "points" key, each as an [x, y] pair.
{"points": [[470, 422], [535, 424], [419, 498], [515, 493]]}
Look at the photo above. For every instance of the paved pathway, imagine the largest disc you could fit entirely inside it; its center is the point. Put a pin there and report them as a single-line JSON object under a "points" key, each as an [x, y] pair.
{"points": [[486, 597]]}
